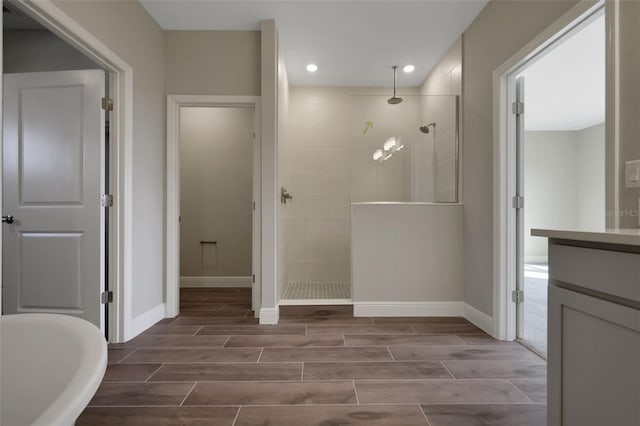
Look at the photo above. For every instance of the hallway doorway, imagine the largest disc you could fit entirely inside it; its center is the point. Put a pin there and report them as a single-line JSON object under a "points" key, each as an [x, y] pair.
{"points": [[214, 196], [559, 160]]}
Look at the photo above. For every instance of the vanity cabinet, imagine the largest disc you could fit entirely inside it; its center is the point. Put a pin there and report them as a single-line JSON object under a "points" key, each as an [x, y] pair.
{"points": [[594, 329], [593, 361]]}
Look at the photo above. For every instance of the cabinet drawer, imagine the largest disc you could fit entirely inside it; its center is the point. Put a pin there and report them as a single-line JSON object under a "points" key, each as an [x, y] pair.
{"points": [[611, 272]]}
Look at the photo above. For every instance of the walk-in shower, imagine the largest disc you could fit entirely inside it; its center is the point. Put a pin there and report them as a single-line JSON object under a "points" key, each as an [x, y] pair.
{"points": [[350, 145]]}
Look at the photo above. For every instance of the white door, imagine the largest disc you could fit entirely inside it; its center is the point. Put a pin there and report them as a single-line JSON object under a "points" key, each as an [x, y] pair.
{"points": [[53, 170]]}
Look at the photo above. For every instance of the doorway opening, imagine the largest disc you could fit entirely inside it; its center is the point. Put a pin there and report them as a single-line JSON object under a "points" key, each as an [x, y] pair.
{"points": [[118, 272], [216, 198], [213, 212], [55, 174], [554, 150]]}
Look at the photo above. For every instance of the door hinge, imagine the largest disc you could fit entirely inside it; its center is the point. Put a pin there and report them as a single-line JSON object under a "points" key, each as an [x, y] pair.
{"points": [[254, 206], [107, 104], [254, 134], [106, 297], [106, 200], [253, 278], [517, 296], [517, 202], [517, 108]]}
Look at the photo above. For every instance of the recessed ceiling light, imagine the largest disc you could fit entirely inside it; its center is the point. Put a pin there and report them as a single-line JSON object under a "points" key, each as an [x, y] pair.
{"points": [[312, 68], [408, 68]]}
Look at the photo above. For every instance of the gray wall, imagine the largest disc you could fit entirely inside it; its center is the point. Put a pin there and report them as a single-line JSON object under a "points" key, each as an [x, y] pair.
{"points": [[501, 29], [418, 259], [550, 186], [591, 177], [629, 76], [40, 50], [213, 62], [564, 183], [128, 30], [216, 161]]}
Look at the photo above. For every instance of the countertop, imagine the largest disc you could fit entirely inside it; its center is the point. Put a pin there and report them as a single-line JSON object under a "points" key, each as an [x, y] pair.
{"points": [[610, 236]]}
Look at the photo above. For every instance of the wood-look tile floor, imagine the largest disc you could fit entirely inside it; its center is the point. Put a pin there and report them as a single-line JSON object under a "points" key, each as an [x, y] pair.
{"points": [[214, 365]]}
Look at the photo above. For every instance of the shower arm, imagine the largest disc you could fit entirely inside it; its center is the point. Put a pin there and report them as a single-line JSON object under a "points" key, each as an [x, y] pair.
{"points": [[395, 74]]}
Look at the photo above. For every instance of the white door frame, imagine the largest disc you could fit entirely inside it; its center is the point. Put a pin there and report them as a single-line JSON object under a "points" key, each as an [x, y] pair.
{"points": [[504, 169], [172, 272], [121, 156]]}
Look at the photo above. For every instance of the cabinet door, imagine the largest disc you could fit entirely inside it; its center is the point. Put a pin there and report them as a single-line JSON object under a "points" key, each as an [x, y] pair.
{"points": [[594, 361]]}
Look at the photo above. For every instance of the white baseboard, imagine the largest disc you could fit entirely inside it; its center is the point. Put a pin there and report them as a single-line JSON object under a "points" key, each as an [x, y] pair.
{"points": [[536, 259], [146, 320], [408, 309], [191, 282], [269, 315], [479, 319]]}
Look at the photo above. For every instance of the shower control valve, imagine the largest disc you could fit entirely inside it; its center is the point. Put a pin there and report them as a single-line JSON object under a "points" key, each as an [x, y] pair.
{"points": [[284, 195]]}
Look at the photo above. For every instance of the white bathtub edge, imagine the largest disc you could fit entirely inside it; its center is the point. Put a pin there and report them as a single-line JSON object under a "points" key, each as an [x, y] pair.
{"points": [[89, 373]]}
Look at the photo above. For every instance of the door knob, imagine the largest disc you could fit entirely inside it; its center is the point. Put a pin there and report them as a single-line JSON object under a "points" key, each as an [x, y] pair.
{"points": [[8, 218]]}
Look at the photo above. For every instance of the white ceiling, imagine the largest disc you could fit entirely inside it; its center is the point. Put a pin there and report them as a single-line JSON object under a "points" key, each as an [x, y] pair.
{"points": [[354, 43], [565, 89]]}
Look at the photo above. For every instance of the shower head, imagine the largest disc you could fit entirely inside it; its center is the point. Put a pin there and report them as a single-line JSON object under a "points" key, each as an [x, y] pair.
{"points": [[394, 100], [425, 129]]}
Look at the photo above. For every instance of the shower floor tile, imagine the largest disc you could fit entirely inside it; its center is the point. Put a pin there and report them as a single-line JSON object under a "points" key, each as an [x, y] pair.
{"points": [[300, 293]]}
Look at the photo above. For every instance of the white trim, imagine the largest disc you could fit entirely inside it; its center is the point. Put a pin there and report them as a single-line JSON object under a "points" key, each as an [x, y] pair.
{"points": [[408, 309], [172, 272], [146, 320], [215, 282], [269, 315], [121, 216], [504, 241], [296, 302], [257, 213], [479, 319], [536, 259], [172, 262]]}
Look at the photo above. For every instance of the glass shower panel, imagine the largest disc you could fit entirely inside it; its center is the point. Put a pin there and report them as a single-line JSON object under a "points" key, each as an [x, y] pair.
{"points": [[406, 152]]}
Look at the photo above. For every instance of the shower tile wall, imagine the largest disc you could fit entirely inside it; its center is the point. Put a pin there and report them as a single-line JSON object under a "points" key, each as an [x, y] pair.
{"points": [[316, 167], [327, 164], [391, 179], [325, 161]]}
